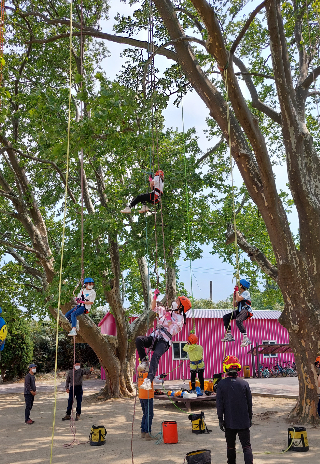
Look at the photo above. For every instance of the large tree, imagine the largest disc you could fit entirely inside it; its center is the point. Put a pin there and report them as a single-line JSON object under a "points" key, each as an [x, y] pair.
{"points": [[115, 132], [274, 52]]}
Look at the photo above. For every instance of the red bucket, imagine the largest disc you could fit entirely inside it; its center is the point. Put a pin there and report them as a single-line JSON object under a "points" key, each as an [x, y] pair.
{"points": [[170, 432]]}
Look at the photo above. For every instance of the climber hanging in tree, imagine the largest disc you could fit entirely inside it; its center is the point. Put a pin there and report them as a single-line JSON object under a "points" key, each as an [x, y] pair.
{"points": [[170, 322], [241, 301], [84, 300], [154, 197]]}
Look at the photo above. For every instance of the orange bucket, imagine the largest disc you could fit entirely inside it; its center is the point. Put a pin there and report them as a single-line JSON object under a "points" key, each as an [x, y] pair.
{"points": [[170, 432]]}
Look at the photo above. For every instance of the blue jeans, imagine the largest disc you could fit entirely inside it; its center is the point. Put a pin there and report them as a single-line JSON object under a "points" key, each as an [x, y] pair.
{"points": [[29, 403], [73, 313], [147, 409]]}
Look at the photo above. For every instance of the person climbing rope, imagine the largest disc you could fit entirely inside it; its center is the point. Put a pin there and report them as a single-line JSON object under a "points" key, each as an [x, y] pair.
{"points": [[234, 410], [170, 322], [154, 197], [85, 300], [195, 354], [241, 300]]}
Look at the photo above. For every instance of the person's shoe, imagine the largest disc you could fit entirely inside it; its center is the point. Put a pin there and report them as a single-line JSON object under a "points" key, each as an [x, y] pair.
{"points": [[146, 385], [246, 341], [228, 337], [77, 417], [78, 326], [126, 210], [148, 436], [143, 366], [66, 417], [73, 332], [144, 209], [29, 421], [143, 434]]}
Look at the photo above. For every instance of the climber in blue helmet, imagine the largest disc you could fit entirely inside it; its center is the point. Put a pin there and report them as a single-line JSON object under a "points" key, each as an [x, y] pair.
{"points": [[84, 300], [241, 301]]}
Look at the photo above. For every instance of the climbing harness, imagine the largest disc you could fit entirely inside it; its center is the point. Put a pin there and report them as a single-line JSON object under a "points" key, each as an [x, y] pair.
{"points": [[63, 237]]}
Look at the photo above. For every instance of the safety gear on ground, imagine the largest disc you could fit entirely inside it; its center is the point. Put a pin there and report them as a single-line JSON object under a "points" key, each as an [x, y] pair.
{"points": [[317, 361], [88, 280], [198, 423], [228, 337], [193, 339], [246, 341], [231, 364], [97, 435], [185, 302], [160, 173], [222, 425], [245, 283]]}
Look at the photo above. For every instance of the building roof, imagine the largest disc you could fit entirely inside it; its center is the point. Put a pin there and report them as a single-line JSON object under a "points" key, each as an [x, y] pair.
{"points": [[219, 313]]}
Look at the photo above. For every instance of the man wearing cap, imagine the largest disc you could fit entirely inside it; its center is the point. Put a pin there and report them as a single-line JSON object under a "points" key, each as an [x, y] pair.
{"points": [[29, 392]]}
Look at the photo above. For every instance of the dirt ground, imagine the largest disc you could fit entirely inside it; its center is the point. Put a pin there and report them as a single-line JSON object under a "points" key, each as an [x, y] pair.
{"points": [[21, 443]]}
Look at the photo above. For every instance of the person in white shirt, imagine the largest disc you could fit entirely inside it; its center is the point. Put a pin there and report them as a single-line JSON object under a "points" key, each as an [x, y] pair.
{"points": [[154, 197], [241, 301], [170, 322], [85, 300]]}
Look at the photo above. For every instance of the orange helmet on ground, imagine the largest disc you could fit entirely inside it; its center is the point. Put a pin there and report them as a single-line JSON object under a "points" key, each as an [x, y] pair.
{"points": [[317, 361], [185, 302], [160, 173], [231, 364], [193, 339]]}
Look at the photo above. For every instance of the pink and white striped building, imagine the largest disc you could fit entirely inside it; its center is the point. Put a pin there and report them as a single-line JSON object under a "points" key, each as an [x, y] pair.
{"points": [[263, 327]]}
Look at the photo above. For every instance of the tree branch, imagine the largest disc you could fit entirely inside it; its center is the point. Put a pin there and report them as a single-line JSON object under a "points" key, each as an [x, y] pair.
{"points": [[191, 16], [253, 252], [29, 269], [210, 152], [256, 103], [311, 78], [38, 160], [246, 27]]}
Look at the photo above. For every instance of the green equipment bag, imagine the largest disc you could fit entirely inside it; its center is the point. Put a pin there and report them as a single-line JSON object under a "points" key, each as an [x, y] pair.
{"points": [[97, 435], [198, 423]]}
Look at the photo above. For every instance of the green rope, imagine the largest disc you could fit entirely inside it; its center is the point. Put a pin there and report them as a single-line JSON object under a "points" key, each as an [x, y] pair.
{"points": [[188, 219]]}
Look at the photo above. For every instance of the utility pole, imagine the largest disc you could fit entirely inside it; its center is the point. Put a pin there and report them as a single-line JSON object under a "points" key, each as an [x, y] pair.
{"points": [[211, 290]]}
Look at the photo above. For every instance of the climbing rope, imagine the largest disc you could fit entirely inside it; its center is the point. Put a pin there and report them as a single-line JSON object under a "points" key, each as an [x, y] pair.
{"points": [[63, 239], [188, 220]]}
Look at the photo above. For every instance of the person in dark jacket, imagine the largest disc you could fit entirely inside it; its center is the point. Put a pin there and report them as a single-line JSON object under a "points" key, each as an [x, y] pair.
{"points": [[234, 409], [74, 378], [30, 391]]}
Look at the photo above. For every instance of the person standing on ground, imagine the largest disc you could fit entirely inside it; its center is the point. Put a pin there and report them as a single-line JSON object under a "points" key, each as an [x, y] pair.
{"points": [[234, 409], [146, 401], [30, 391], [75, 377], [195, 354]]}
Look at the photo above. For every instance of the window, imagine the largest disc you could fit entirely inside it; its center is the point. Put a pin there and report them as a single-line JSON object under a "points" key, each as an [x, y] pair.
{"points": [[269, 342], [178, 352]]}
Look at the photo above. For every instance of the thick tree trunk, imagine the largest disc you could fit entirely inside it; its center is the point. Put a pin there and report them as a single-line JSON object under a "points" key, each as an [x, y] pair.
{"points": [[303, 328]]}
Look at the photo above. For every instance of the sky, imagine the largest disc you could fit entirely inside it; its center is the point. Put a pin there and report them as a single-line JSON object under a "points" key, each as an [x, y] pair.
{"points": [[209, 267]]}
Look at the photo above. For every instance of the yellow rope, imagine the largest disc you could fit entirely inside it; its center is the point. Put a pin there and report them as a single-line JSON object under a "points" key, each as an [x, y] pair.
{"points": [[63, 237], [237, 275]]}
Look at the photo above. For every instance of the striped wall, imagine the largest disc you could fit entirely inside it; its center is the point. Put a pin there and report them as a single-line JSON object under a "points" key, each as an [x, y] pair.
{"points": [[210, 330]]}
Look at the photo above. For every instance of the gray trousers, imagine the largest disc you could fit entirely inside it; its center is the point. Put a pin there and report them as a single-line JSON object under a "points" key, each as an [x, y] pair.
{"points": [[239, 316]]}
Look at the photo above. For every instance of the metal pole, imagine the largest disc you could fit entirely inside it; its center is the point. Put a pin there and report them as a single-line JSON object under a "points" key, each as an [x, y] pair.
{"points": [[258, 361], [211, 290]]}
